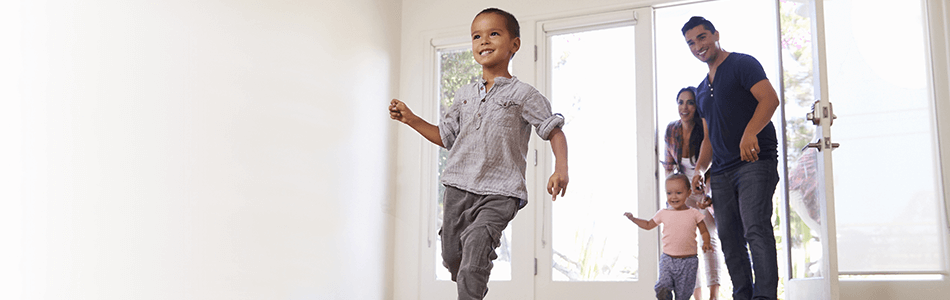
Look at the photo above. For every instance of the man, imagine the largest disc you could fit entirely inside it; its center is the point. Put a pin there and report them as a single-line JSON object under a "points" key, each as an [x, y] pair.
{"points": [[736, 103]]}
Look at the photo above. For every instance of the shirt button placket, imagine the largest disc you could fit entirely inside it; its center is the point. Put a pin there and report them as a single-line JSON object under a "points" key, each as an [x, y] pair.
{"points": [[478, 115], [478, 110]]}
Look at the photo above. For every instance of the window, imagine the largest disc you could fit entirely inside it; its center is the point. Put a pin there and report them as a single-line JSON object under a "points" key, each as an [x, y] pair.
{"points": [[592, 85]]}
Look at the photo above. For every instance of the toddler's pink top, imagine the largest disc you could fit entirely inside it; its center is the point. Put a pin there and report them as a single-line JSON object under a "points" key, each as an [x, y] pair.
{"points": [[679, 230]]}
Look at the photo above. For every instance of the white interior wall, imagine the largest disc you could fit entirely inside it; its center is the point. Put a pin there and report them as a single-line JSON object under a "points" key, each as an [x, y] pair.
{"points": [[196, 149]]}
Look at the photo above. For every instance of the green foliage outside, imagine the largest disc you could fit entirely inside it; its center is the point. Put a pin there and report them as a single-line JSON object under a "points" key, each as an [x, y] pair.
{"points": [[457, 68]]}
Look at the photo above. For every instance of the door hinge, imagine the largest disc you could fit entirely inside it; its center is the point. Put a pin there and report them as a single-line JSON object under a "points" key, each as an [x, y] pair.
{"points": [[535, 266], [535, 53], [535, 157]]}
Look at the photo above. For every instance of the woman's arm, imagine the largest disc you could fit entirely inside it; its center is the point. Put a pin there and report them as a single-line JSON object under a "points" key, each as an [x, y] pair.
{"points": [[702, 163], [671, 162]]}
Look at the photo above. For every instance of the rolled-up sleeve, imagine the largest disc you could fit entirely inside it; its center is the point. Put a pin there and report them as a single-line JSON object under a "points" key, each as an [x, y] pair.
{"points": [[537, 111], [449, 127], [554, 121]]}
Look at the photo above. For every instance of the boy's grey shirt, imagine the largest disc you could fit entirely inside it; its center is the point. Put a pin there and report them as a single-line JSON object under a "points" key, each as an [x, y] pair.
{"points": [[487, 136]]}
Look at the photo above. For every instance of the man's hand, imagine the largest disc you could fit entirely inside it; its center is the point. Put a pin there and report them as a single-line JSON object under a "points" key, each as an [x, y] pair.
{"points": [[557, 184], [749, 147]]}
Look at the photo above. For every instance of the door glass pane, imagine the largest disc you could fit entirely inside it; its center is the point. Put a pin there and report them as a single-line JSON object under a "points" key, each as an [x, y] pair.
{"points": [[804, 198], [457, 67], [592, 84], [886, 190]]}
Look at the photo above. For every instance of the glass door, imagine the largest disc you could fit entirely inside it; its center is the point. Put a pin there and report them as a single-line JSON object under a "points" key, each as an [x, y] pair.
{"points": [[882, 191], [812, 247], [888, 158], [598, 74]]}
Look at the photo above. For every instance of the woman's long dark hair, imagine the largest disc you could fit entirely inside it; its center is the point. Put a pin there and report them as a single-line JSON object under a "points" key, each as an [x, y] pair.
{"points": [[696, 136]]}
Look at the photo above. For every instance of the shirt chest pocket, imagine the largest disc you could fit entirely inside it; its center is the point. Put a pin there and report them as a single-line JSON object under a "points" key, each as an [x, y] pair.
{"points": [[504, 112], [467, 108]]}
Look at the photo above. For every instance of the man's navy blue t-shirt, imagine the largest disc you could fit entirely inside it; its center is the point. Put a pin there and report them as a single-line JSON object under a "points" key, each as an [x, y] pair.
{"points": [[727, 105]]}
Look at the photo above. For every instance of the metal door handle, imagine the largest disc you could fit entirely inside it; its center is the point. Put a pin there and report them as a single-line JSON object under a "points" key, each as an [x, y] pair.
{"points": [[816, 145], [819, 145]]}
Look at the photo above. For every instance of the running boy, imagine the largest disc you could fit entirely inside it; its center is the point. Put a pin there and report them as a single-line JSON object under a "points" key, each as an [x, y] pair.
{"points": [[678, 262], [486, 132]]}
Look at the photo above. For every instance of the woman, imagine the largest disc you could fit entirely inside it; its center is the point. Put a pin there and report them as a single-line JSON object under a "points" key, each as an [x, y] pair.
{"points": [[683, 138]]}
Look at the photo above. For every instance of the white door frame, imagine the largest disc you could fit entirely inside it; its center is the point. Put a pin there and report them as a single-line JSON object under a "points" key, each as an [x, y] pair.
{"points": [[545, 287]]}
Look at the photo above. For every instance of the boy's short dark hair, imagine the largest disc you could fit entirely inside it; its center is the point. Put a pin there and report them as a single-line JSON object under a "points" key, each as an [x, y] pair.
{"points": [[679, 176], [696, 21], [513, 27]]}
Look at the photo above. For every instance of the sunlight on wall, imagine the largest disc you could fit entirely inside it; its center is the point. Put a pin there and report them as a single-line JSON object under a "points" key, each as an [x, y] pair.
{"points": [[209, 150]]}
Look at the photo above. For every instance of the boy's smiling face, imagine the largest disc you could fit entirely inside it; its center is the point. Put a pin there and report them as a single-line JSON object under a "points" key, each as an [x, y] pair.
{"points": [[492, 43]]}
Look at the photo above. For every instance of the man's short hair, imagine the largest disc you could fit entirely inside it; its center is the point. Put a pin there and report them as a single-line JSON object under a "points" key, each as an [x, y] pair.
{"points": [[696, 21], [512, 24]]}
